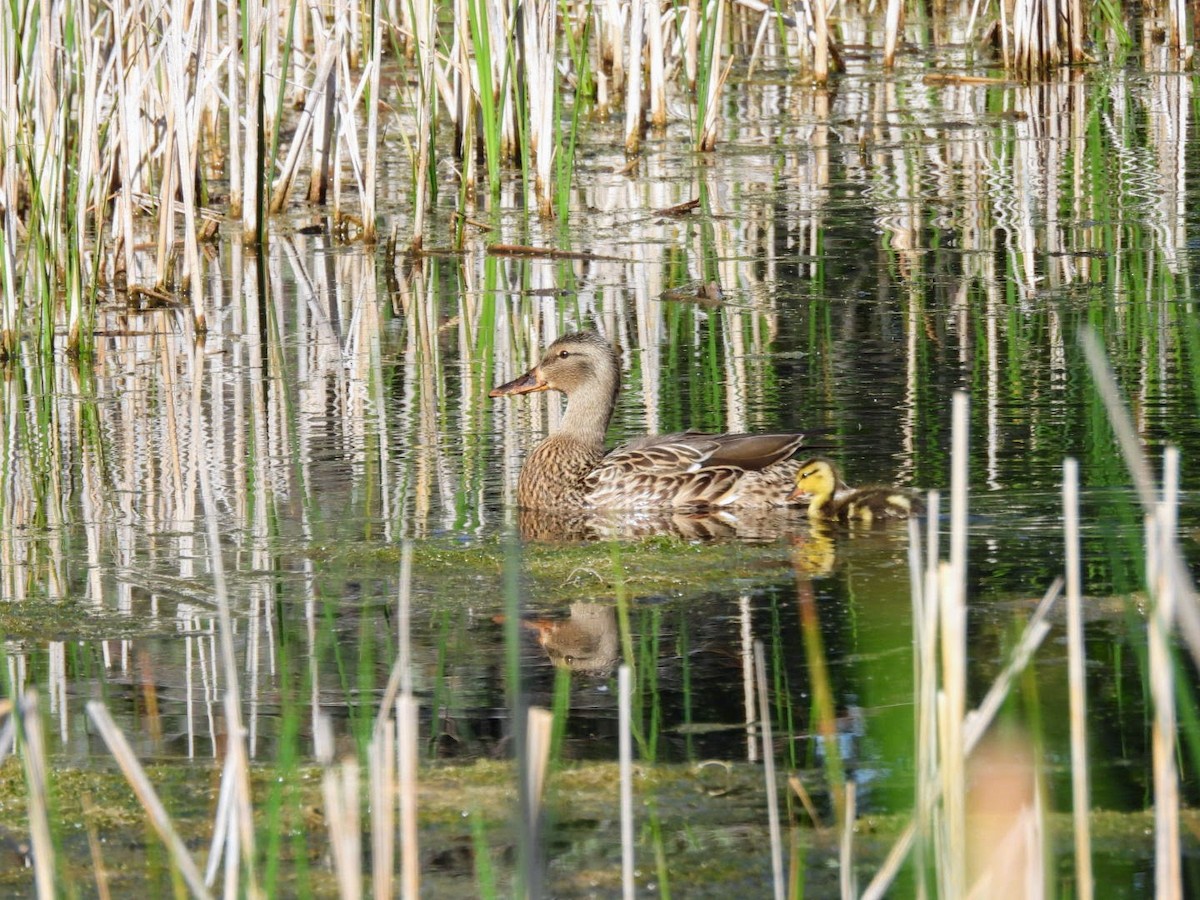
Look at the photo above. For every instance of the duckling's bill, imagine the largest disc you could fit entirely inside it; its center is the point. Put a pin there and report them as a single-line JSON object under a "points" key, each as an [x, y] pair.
{"points": [[529, 383]]}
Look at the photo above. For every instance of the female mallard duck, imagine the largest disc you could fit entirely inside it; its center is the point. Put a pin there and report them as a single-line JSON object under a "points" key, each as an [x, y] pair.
{"points": [[687, 469], [831, 498]]}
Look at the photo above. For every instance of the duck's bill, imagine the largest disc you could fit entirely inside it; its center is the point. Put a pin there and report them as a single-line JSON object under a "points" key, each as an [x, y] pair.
{"points": [[797, 495], [528, 383]]}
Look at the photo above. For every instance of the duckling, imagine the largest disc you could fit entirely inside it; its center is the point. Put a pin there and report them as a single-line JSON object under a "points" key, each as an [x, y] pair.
{"points": [[832, 498]]}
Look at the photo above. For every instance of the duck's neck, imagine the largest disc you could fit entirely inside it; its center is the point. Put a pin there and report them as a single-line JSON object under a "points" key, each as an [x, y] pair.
{"points": [[817, 505], [590, 409]]}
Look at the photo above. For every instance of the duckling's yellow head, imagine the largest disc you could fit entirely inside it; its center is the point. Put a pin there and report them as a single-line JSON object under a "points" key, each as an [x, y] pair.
{"points": [[816, 478]]}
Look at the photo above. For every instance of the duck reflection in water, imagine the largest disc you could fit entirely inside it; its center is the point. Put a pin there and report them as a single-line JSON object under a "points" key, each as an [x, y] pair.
{"points": [[586, 642], [703, 525]]}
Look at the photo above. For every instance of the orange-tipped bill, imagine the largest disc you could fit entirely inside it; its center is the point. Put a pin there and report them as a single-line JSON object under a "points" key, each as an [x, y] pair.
{"points": [[528, 383], [798, 494]]}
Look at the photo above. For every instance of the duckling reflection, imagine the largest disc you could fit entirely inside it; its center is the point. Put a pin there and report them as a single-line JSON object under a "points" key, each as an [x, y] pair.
{"points": [[814, 551], [586, 642]]}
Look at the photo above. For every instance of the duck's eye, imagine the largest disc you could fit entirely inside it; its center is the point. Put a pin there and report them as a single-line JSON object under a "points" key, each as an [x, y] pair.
{"points": [[563, 354]]}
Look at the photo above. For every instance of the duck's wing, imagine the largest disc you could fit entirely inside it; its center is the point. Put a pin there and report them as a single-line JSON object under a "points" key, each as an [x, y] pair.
{"points": [[684, 469], [691, 450]]}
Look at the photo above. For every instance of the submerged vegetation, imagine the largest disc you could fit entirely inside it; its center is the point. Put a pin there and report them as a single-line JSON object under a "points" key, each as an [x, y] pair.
{"points": [[256, 518]]}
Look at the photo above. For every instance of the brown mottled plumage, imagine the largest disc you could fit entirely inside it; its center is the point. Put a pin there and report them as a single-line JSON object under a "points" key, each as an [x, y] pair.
{"points": [[686, 469], [830, 498]]}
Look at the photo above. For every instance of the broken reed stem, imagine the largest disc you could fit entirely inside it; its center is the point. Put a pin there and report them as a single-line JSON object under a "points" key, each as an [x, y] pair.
{"points": [[400, 679], [625, 764], [768, 749], [339, 790], [406, 750], [891, 32], [539, 727], [381, 760], [34, 760], [119, 747], [1077, 684]]}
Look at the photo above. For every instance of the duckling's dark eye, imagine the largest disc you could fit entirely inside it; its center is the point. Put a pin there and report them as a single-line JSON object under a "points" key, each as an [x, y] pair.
{"points": [[563, 354]]}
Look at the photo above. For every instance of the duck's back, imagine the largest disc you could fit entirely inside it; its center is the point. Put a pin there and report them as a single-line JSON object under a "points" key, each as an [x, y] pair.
{"points": [[694, 469]]}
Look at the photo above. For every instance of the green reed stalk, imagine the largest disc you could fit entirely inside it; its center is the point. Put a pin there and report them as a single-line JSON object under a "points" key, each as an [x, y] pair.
{"points": [[661, 867], [491, 111], [485, 877], [561, 710]]}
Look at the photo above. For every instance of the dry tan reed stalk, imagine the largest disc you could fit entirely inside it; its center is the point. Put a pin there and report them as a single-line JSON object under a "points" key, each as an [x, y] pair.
{"points": [[612, 44], [821, 42], [633, 90], [625, 764], [119, 747], [891, 31], [381, 756], [253, 176], [847, 881], [1080, 793], [425, 15], [1160, 543], [187, 129], [691, 44], [407, 722], [370, 228], [233, 92], [539, 726], [540, 21], [339, 790], [658, 65], [319, 96], [320, 161], [810, 808], [772, 791], [224, 828], [33, 760], [716, 80]]}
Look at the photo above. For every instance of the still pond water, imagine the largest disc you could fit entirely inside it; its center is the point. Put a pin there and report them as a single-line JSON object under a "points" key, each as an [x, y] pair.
{"points": [[855, 259]]}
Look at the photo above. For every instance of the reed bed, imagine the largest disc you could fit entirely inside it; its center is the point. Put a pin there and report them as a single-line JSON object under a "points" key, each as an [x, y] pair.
{"points": [[178, 130]]}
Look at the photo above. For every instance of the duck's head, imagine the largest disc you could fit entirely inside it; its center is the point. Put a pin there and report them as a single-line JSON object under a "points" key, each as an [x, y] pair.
{"points": [[816, 477], [572, 364]]}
